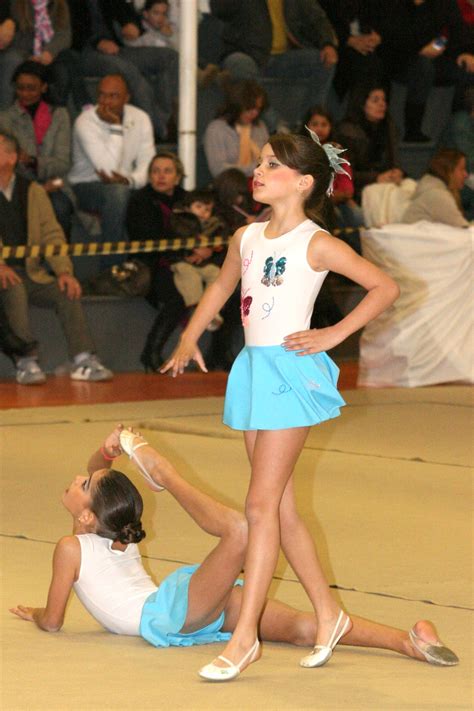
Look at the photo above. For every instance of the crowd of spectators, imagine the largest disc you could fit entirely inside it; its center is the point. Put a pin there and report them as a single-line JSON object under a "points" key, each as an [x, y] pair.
{"points": [[66, 150]]}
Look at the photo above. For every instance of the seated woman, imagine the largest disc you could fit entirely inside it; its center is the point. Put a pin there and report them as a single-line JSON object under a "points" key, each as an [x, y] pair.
{"points": [[197, 604], [43, 30], [369, 135], [235, 137], [460, 135], [43, 132], [347, 212], [148, 217], [437, 197]]}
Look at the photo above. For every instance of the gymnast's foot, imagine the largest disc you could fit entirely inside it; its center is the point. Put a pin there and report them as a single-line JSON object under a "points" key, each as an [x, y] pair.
{"points": [[235, 658], [424, 644], [144, 456], [330, 631]]}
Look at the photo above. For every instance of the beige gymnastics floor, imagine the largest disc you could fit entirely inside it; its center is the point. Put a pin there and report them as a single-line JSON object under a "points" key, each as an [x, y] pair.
{"points": [[386, 490]]}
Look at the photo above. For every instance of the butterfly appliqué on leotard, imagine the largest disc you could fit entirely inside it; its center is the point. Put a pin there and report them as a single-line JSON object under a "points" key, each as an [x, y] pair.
{"points": [[273, 271], [245, 303]]}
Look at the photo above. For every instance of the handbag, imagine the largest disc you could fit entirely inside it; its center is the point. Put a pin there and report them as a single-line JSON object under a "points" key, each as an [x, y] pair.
{"points": [[131, 278]]}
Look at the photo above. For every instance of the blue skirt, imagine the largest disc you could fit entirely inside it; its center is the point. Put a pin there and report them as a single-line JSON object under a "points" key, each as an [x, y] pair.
{"points": [[270, 388], [164, 614]]}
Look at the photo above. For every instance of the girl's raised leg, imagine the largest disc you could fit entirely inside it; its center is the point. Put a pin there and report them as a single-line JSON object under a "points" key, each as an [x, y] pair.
{"points": [[213, 581]]}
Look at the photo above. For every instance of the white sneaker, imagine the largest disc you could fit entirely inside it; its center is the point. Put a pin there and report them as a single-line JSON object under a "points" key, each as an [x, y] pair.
{"points": [[215, 324], [90, 368], [30, 373]]}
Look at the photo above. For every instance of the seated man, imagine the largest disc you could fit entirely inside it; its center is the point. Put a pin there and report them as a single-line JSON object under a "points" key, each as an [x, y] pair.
{"points": [[112, 147], [27, 217]]}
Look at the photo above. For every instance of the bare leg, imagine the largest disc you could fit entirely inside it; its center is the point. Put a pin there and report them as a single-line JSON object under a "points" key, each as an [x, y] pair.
{"points": [[282, 623], [213, 582], [274, 456], [300, 551]]}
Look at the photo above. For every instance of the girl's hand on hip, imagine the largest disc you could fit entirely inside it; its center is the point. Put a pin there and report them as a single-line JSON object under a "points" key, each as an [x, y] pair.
{"points": [[312, 341], [185, 352]]}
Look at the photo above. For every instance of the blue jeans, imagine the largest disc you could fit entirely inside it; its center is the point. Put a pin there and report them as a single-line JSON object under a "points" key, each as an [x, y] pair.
{"points": [[110, 201], [302, 63]]}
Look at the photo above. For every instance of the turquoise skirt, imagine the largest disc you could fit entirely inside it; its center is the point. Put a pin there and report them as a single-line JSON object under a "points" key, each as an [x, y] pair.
{"points": [[270, 388], [164, 614]]}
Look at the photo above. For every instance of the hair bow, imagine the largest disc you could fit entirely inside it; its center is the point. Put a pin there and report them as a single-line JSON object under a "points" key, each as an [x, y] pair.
{"points": [[334, 157]]}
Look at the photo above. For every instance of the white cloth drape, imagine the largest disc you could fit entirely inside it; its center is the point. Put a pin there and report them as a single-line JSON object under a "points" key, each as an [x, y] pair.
{"points": [[427, 336]]}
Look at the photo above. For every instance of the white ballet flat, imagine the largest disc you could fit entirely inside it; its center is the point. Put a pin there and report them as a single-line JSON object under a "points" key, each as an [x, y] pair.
{"points": [[211, 672], [322, 653], [434, 652], [128, 445]]}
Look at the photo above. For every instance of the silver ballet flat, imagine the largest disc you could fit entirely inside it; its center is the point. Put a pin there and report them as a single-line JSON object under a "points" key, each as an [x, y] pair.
{"points": [[434, 652]]}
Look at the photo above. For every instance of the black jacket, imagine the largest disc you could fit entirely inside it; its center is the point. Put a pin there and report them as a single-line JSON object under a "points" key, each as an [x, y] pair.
{"points": [[248, 26], [113, 13], [407, 28]]}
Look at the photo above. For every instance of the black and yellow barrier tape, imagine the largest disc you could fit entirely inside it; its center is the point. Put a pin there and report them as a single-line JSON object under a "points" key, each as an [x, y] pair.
{"points": [[89, 249]]}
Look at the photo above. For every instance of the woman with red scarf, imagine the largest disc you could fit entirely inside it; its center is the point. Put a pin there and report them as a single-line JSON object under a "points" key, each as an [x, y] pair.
{"points": [[43, 132]]}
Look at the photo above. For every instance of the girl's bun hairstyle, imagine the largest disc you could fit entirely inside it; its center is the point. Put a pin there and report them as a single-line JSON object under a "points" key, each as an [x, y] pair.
{"points": [[132, 533], [118, 507], [301, 153]]}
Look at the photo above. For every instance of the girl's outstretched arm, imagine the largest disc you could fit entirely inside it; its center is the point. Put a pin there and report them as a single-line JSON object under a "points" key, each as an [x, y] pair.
{"points": [[211, 303], [328, 253], [66, 563]]}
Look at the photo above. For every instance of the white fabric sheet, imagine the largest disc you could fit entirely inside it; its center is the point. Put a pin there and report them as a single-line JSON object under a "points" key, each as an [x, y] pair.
{"points": [[426, 337], [385, 203]]}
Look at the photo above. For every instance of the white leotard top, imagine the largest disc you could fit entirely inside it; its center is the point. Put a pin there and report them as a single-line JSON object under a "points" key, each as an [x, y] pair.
{"points": [[279, 287], [112, 584]]}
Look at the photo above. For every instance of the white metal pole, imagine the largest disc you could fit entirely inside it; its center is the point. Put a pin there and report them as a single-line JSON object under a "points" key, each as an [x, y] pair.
{"points": [[188, 26]]}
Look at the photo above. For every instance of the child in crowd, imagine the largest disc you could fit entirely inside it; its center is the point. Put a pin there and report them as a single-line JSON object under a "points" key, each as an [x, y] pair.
{"points": [[158, 29], [201, 265], [235, 202], [196, 604]]}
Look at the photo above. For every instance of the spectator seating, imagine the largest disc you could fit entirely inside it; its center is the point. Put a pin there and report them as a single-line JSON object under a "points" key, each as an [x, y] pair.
{"points": [[426, 337], [414, 157]]}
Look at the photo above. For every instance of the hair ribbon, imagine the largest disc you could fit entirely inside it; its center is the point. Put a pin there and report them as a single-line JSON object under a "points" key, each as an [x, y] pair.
{"points": [[334, 157]]}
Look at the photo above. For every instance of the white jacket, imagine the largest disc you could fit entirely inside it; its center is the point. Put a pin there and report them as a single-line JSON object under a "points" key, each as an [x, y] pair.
{"points": [[434, 202], [125, 148]]}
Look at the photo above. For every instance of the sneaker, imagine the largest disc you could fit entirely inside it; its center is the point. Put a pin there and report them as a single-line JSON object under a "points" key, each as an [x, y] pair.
{"points": [[215, 324], [29, 373], [91, 369]]}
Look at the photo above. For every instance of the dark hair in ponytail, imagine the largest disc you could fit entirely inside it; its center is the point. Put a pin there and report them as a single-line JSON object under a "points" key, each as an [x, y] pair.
{"points": [[118, 507], [303, 154]]}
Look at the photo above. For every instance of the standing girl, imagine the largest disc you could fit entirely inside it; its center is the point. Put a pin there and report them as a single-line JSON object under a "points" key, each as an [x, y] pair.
{"points": [[283, 382]]}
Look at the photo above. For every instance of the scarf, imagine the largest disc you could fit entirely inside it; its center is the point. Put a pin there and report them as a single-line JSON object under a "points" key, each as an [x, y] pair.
{"points": [[42, 121], [44, 32]]}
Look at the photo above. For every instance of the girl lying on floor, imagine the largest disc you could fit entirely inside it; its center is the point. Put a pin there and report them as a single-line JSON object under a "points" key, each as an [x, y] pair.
{"points": [[196, 604]]}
